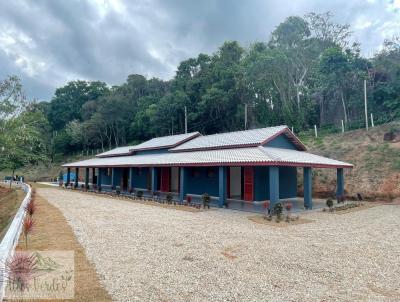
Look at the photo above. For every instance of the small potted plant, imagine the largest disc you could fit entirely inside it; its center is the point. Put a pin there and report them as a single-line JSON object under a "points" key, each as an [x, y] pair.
{"points": [[278, 209], [206, 200], [169, 198], [288, 208], [266, 207]]}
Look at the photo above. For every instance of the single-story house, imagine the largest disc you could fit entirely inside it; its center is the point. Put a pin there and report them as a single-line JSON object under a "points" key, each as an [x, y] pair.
{"points": [[247, 167]]}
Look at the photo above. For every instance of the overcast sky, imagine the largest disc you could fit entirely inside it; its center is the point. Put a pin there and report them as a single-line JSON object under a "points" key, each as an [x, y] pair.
{"points": [[48, 43]]}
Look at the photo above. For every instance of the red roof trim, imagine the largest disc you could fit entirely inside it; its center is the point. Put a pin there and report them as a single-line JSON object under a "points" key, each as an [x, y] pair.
{"points": [[228, 164]]}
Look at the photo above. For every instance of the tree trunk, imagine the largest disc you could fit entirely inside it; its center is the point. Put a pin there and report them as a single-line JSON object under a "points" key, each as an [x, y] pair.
{"points": [[12, 177]]}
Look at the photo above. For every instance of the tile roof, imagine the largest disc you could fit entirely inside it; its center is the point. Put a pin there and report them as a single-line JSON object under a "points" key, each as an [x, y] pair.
{"points": [[165, 141], [227, 157], [154, 143], [116, 152], [244, 138]]}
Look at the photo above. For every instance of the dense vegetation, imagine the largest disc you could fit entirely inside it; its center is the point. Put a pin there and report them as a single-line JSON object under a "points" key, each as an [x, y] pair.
{"points": [[306, 73]]}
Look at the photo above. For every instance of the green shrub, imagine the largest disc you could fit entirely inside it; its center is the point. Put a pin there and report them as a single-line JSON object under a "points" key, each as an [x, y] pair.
{"points": [[206, 200], [169, 198], [278, 210], [139, 194], [329, 203]]}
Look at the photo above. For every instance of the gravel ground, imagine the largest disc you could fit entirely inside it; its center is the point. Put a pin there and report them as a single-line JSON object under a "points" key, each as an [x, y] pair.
{"points": [[145, 253]]}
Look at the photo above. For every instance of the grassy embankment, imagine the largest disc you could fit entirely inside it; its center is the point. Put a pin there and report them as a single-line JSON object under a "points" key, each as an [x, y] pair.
{"points": [[10, 200]]}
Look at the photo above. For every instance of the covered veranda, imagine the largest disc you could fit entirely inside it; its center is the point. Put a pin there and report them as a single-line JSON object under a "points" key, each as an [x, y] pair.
{"points": [[244, 187]]}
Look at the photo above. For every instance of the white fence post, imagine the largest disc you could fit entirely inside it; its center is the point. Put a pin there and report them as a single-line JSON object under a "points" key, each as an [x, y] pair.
{"points": [[315, 130]]}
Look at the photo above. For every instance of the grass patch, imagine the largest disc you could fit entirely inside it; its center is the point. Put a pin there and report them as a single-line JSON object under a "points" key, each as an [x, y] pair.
{"points": [[10, 201]]}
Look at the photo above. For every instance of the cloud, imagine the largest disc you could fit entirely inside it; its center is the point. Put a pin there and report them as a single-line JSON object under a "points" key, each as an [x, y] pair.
{"points": [[48, 43]]}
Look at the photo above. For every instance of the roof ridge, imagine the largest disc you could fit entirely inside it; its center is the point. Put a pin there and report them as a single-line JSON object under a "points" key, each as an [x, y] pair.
{"points": [[247, 130]]}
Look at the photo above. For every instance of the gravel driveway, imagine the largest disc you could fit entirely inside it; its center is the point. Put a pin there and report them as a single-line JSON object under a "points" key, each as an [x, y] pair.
{"points": [[146, 253]]}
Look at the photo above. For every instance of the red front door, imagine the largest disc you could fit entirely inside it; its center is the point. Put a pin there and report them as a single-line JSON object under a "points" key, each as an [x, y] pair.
{"points": [[165, 180], [248, 183]]}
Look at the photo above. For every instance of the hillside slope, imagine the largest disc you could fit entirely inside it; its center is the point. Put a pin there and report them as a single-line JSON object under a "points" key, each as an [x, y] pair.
{"points": [[376, 172]]}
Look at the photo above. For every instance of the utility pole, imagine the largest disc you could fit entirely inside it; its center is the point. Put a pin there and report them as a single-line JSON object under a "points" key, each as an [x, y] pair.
{"points": [[245, 116], [365, 104], [185, 120]]}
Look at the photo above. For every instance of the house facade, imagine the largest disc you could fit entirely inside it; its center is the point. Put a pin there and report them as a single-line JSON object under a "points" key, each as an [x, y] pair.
{"points": [[237, 169]]}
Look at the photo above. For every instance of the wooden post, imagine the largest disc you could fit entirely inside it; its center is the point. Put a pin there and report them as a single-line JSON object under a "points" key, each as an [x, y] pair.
{"points": [[372, 121], [315, 130], [342, 126]]}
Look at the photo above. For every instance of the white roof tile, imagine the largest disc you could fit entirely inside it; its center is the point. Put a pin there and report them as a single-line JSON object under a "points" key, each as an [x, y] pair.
{"points": [[241, 156], [231, 139], [165, 141], [154, 143], [116, 152]]}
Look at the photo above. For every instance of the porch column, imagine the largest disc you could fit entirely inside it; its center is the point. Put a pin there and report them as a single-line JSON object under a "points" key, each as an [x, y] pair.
{"points": [[339, 183], [154, 179], [99, 177], [182, 183], [113, 179], [86, 177], [273, 186], [307, 183], [93, 175], [222, 186], [76, 176], [131, 178], [68, 176]]}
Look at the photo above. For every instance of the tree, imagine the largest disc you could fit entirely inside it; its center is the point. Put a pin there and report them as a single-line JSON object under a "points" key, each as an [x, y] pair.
{"points": [[68, 101]]}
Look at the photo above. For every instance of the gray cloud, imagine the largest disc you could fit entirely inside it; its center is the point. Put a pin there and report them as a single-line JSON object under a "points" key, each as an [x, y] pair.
{"points": [[48, 43]]}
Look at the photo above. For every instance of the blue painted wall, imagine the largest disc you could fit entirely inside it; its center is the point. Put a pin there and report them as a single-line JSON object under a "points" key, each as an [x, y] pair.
{"points": [[198, 182], [118, 177], [287, 183], [261, 183], [140, 177], [105, 180], [281, 141]]}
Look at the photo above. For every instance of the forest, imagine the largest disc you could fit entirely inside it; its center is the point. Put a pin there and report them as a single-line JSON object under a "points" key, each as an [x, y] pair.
{"points": [[308, 72]]}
